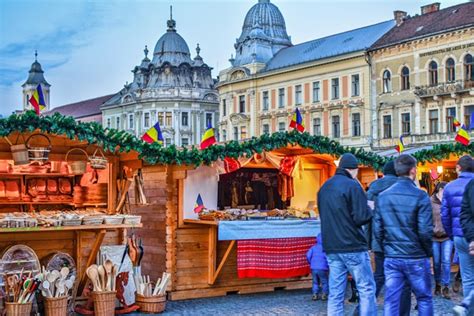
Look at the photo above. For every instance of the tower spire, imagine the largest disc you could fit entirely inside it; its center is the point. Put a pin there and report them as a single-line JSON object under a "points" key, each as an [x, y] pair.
{"points": [[171, 23], [36, 55]]}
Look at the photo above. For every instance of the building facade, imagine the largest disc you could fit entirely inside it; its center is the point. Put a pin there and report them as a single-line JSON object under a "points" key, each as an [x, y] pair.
{"points": [[173, 89], [328, 79], [35, 77], [83, 111], [423, 76]]}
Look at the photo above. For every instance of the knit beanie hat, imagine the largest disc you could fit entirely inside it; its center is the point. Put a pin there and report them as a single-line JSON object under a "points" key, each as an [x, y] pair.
{"points": [[389, 168], [348, 161]]}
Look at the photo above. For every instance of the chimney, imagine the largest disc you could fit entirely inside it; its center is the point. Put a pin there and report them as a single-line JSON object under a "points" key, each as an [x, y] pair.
{"points": [[399, 16], [430, 8]]}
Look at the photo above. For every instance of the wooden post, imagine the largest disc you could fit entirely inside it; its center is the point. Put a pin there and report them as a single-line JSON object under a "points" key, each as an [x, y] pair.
{"points": [[212, 251], [92, 256]]}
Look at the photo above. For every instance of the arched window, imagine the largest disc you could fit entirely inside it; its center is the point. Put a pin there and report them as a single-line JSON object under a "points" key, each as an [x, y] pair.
{"points": [[387, 81], [469, 67], [405, 78], [450, 72], [433, 73]]}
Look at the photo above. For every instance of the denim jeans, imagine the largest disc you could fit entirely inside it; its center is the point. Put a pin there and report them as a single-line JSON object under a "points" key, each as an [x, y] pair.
{"points": [[442, 261], [320, 276], [466, 263], [415, 272], [358, 265]]}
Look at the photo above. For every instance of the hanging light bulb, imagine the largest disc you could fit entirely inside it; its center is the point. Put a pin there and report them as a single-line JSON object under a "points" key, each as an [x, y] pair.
{"points": [[336, 162], [439, 169]]}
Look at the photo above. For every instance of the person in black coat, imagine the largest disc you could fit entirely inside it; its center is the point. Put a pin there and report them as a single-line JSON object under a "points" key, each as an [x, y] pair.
{"points": [[343, 210], [403, 225]]}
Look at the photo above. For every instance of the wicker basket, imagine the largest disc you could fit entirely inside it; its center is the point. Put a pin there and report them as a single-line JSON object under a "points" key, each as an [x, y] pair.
{"points": [[18, 309], [113, 220], [98, 162], [104, 303], [40, 154], [132, 219], [151, 304], [55, 306], [79, 166]]}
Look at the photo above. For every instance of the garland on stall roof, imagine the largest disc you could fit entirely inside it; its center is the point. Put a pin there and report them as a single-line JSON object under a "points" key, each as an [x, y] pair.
{"points": [[122, 141]]}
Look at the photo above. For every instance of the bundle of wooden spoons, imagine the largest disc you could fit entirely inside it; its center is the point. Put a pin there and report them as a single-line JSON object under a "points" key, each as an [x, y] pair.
{"points": [[147, 288], [55, 283], [103, 276]]}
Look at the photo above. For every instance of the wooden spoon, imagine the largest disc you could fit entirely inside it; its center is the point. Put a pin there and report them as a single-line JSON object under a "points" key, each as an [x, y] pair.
{"points": [[93, 274], [114, 276], [108, 266], [103, 277], [64, 272]]}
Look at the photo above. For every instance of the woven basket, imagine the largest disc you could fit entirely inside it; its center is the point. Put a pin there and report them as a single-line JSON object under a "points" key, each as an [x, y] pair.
{"points": [[132, 220], [40, 154], [113, 220], [18, 309], [55, 306], [104, 303], [151, 304], [79, 166], [98, 162]]}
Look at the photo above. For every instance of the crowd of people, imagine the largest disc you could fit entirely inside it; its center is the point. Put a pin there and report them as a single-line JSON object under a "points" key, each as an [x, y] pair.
{"points": [[404, 228]]}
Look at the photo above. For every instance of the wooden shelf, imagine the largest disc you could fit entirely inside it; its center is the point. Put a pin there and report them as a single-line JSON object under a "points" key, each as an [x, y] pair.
{"points": [[200, 222], [65, 228], [37, 175], [50, 203]]}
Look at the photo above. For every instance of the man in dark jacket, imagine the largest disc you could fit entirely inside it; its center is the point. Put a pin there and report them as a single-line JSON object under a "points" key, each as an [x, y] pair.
{"points": [[404, 226], [343, 210], [377, 187]]}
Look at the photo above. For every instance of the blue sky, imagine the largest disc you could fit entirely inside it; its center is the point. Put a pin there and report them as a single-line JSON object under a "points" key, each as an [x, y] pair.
{"points": [[87, 48]]}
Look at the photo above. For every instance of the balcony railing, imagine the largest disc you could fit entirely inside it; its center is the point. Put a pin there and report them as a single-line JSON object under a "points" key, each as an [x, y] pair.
{"points": [[444, 88], [418, 140]]}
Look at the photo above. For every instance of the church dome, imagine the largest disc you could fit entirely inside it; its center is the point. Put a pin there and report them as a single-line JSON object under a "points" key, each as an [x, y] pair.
{"points": [[171, 48], [36, 74], [269, 18]]}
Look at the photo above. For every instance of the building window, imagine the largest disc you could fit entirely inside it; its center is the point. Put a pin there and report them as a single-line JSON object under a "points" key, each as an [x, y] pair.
{"points": [[146, 120], [243, 132], [336, 127], [109, 123], [387, 81], [468, 110], [356, 124], [405, 75], [184, 119], [450, 116], [242, 104], [224, 108], [117, 122], [355, 85], [317, 126], [281, 126], [335, 88], [433, 73], [450, 71], [236, 133], [298, 95], [168, 141], [265, 101], [387, 126], [281, 97], [161, 118], [224, 135], [184, 141], [469, 67], [406, 128], [266, 129], [209, 120], [169, 119], [433, 115], [316, 91], [131, 120]]}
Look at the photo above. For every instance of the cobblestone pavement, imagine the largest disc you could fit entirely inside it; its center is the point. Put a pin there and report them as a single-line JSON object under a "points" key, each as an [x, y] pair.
{"points": [[296, 302]]}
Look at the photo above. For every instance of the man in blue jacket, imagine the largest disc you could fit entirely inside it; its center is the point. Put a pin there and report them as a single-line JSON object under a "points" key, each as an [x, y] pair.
{"points": [[403, 224], [451, 218], [344, 211]]}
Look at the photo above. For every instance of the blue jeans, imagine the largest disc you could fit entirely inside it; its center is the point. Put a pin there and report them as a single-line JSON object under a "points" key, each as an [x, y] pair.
{"points": [[358, 265], [466, 263], [320, 276], [442, 261], [415, 272]]}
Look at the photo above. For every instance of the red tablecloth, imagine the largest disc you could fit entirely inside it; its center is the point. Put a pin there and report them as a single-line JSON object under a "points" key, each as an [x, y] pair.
{"points": [[273, 258]]}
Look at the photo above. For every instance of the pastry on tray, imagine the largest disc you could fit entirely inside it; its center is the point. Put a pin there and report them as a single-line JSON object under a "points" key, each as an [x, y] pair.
{"points": [[52, 186]]}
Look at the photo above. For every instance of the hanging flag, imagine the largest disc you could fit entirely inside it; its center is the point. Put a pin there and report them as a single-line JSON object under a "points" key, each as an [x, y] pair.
{"points": [[456, 123], [37, 100], [471, 122], [400, 146], [297, 121], [199, 206], [462, 136], [153, 135], [208, 138]]}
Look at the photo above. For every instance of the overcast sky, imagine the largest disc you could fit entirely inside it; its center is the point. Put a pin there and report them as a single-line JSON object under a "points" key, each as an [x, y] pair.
{"points": [[88, 48]]}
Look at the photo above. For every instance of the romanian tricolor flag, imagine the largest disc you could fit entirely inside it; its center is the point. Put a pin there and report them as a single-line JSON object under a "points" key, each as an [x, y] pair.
{"points": [[199, 206], [400, 146], [153, 135], [37, 100], [297, 121], [456, 123], [462, 136], [208, 138]]}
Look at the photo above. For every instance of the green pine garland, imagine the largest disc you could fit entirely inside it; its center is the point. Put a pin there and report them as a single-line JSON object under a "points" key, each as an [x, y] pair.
{"points": [[121, 141]]}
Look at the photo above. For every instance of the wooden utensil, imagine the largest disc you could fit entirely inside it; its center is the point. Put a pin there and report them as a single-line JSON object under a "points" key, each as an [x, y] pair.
{"points": [[103, 277], [93, 275], [132, 251], [108, 266], [64, 272], [141, 252], [114, 276]]}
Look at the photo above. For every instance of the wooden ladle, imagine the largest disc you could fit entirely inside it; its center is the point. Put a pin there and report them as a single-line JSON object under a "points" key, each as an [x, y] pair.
{"points": [[108, 265], [93, 275], [103, 277]]}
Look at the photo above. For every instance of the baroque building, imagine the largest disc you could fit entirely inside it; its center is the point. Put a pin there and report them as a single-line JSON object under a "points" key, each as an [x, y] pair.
{"points": [[423, 76], [35, 78], [171, 88], [328, 79]]}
